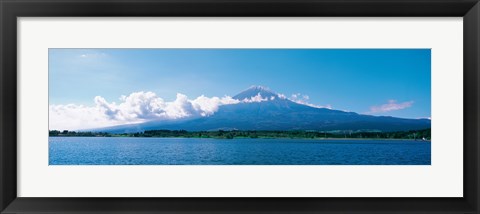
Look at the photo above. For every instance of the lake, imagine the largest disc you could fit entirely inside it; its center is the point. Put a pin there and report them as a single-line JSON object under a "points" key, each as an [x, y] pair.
{"points": [[196, 151]]}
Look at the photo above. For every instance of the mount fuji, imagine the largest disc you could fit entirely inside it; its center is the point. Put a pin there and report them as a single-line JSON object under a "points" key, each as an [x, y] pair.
{"points": [[262, 109]]}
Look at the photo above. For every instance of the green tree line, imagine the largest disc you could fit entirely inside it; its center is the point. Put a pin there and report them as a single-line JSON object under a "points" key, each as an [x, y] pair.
{"points": [[424, 134]]}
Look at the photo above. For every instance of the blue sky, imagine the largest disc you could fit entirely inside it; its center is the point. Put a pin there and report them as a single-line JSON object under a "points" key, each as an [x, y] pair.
{"points": [[393, 82]]}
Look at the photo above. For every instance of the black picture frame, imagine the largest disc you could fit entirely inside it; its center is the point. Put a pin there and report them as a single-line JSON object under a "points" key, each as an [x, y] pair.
{"points": [[11, 9]]}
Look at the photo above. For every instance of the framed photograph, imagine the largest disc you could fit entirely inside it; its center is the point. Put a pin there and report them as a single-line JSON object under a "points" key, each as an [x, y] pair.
{"points": [[239, 107]]}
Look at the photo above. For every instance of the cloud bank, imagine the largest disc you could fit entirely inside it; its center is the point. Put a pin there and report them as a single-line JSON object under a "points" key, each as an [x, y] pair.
{"points": [[137, 107], [391, 105]]}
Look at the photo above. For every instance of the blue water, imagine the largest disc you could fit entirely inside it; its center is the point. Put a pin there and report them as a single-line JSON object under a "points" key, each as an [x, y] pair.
{"points": [[190, 151]]}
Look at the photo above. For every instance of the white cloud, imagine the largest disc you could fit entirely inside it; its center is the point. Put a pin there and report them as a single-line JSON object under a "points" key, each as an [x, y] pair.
{"points": [[93, 55], [327, 106], [303, 99], [391, 105], [255, 99], [72, 117], [135, 108], [208, 106]]}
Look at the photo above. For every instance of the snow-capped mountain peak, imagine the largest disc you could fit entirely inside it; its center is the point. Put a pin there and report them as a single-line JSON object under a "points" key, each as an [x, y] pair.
{"points": [[255, 91]]}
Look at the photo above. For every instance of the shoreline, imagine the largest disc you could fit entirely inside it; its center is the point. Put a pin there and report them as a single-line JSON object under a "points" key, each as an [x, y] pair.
{"points": [[411, 135], [271, 138]]}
